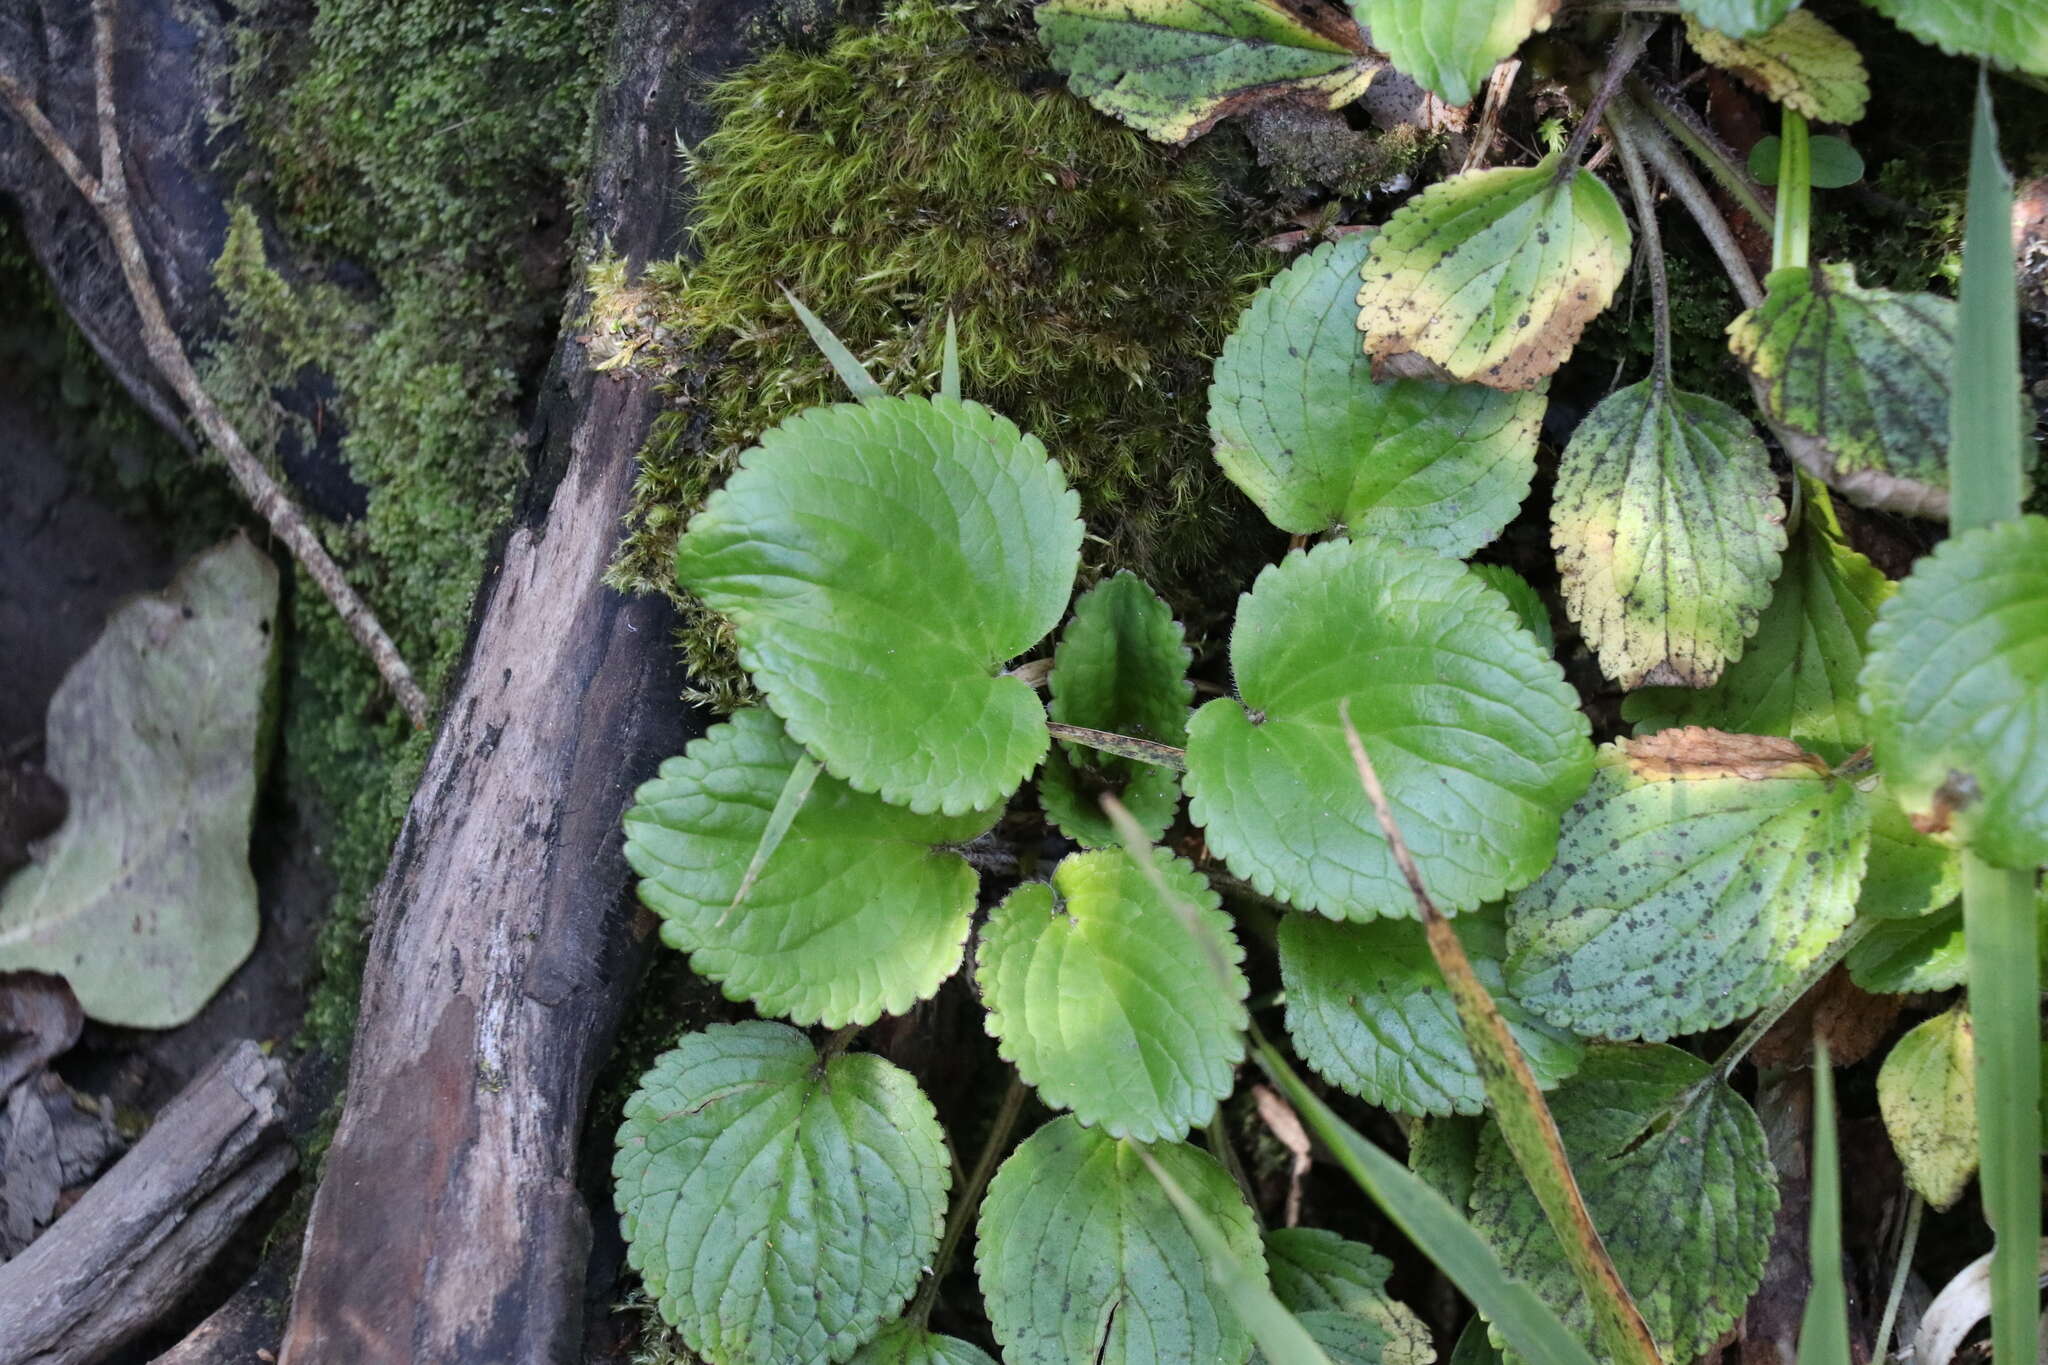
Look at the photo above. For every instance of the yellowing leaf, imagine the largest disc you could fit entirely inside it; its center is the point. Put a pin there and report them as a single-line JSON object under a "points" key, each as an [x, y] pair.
{"points": [[1800, 62], [1490, 276], [1668, 530], [143, 900], [1171, 68], [1927, 1092]]}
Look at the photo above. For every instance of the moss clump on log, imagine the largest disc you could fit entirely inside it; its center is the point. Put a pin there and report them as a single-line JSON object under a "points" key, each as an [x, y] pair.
{"points": [[921, 166]]}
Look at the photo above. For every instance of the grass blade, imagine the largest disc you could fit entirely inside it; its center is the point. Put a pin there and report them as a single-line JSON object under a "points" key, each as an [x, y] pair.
{"points": [[2000, 924], [1517, 1101], [1824, 1328], [844, 363], [795, 792], [949, 367], [1437, 1229], [1278, 1334]]}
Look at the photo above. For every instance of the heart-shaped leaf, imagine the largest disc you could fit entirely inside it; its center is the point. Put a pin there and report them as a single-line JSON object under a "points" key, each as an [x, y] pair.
{"points": [[1957, 691], [1800, 62], [1908, 956], [1104, 999], [143, 899], [880, 562], [1490, 276], [1927, 1092], [2010, 33], [1318, 1272], [1668, 531], [1478, 740], [1738, 18], [1797, 678], [1697, 877], [1686, 1210], [854, 914], [1173, 67], [1082, 1257], [778, 1207], [1122, 666], [1858, 381], [1449, 46], [1369, 1011], [1301, 427], [907, 1343]]}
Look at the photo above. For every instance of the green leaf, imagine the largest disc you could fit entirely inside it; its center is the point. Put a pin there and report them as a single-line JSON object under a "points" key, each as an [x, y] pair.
{"points": [[1697, 877], [143, 900], [779, 1208], [1478, 740], [906, 1343], [1858, 380], [1445, 1152], [1437, 1229], [1490, 276], [1121, 666], [1927, 1092], [1797, 678], [1319, 1272], [1474, 1347], [1907, 956], [1738, 18], [1369, 1012], [1800, 62], [1909, 874], [1301, 427], [880, 562], [1831, 162], [856, 913], [1449, 46], [1957, 691], [1528, 604], [1082, 1257], [1099, 994], [1668, 531], [1171, 68], [1686, 1211], [2010, 33]]}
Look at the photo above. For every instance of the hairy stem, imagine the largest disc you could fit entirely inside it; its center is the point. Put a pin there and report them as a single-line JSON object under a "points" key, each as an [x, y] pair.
{"points": [[1678, 177], [1683, 125], [1628, 49], [1653, 247]]}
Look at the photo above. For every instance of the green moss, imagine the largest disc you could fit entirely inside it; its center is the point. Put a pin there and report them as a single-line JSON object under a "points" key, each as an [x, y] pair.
{"points": [[918, 167]]}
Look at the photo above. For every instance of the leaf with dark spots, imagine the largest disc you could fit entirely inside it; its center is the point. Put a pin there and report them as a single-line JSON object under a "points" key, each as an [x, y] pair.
{"points": [[1800, 62], [1172, 68]]}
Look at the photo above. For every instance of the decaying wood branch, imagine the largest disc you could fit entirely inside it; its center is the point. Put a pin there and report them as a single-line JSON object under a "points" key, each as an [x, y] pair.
{"points": [[124, 1255], [108, 194], [449, 1225]]}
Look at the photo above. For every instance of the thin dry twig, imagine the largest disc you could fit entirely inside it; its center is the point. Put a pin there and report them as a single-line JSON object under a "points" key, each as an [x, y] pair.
{"points": [[108, 194]]}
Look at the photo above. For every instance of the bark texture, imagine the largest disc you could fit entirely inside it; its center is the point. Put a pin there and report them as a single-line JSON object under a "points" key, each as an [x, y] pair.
{"points": [[448, 1225]]}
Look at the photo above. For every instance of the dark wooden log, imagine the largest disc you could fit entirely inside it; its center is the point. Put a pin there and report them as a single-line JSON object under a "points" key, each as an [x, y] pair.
{"points": [[448, 1225], [125, 1253]]}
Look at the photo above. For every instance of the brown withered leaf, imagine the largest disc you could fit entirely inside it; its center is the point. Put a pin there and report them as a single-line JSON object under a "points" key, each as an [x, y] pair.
{"points": [[1694, 752]]}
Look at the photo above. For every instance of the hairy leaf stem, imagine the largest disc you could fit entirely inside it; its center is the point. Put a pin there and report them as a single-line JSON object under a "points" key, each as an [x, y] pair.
{"points": [[1628, 49], [1653, 247], [1686, 128], [1725, 1065], [1678, 177]]}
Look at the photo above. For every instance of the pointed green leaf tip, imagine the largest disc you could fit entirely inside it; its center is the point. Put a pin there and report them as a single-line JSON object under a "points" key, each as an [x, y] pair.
{"points": [[779, 1208], [1449, 46], [1369, 1012], [1102, 996], [2012, 33], [1697, 878], [1490, 276], [143, 900], [1858, 381], [1477, 738], [855, 914], [1927, 1092], [1738, 18], [1799, 62], [1668, 529], [1797, 678], [1171, 68], [1686, 1211], [880, 562], [906, 1343], [1315, 1272], [1122, 666], [1957, 691], [1301, 427], [1081, 1256]]}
